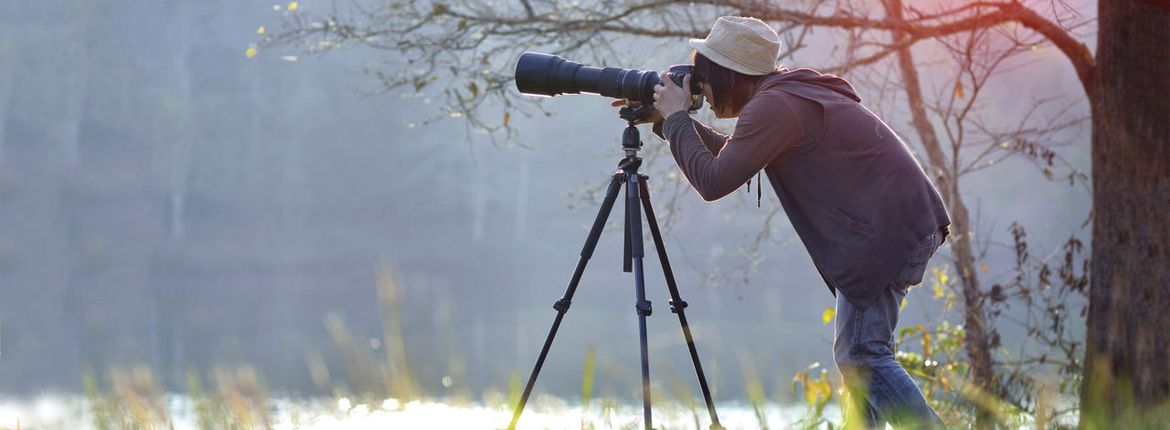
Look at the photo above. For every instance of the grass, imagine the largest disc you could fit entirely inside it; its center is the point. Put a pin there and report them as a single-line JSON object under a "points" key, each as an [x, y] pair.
{"points": [[385, 390]]}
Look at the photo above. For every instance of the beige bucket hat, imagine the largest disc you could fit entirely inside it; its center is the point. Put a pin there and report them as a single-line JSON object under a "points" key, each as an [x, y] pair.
{"points": [[745, 45]]}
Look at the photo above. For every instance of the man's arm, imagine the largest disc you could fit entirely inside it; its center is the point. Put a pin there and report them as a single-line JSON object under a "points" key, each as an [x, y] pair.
{"points": [[767, 127], [711, 138]]}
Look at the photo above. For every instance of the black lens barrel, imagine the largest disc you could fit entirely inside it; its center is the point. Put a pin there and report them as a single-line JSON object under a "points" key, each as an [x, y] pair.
{"points": [[550, 75], [535, 73]]}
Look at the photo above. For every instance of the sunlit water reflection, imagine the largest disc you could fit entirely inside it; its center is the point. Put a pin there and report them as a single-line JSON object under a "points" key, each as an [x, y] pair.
{"points": [[73, 412]]}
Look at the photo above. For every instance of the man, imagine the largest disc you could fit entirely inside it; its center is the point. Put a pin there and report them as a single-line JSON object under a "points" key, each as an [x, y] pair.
{"points": [[861, 204]]}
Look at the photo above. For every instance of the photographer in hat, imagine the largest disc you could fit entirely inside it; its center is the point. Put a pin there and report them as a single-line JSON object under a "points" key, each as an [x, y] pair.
{"points": [[861, 204]]}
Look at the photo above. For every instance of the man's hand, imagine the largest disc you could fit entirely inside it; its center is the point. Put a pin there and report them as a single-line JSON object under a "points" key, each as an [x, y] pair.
{"points": [[654, 115], [670, 98]]}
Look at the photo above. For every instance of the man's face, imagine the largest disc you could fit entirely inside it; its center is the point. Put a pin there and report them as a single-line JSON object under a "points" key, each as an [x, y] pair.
{"points": [[711, 103]]}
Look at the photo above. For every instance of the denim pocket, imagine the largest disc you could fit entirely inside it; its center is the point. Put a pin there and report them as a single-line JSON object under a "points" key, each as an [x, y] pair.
{"points": [[915, 268], [925, 250]]}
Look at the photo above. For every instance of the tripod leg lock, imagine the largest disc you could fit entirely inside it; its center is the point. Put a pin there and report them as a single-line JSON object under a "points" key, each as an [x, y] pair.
{"points": [[644, 308], [677, 306], [562, 305]]}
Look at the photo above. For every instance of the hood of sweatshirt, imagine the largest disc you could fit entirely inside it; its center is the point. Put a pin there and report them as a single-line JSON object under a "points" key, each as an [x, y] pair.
{"points": [[812, 77]]}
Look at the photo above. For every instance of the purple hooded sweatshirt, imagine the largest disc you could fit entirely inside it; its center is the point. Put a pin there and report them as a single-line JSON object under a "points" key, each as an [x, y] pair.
{"points": [[856, 196]]}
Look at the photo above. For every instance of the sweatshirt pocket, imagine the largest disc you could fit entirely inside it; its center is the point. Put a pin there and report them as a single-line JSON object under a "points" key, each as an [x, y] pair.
{"points": [[852, 222]]}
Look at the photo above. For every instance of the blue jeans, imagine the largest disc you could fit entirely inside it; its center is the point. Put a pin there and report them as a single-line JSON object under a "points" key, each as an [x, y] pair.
{"points": [[863, 349]]}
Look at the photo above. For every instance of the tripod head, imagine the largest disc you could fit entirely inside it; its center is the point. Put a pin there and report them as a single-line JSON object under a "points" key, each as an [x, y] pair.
{"points": [[631, 140], [631, 114]]}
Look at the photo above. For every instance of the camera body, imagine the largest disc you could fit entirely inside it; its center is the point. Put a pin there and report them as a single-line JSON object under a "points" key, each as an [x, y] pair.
{"points": [[550, 75], [677, 72]]}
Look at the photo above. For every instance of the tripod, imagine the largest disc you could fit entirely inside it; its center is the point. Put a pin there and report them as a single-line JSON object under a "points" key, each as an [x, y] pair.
{"points": [[637, 196]]}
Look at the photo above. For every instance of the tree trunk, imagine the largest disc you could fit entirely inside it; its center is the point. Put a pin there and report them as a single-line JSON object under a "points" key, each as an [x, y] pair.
{"points": [[1127, 357], [976, 339]]}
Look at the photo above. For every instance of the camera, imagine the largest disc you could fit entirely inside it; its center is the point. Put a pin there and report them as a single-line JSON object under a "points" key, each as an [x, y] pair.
{"points": [[550, 75]]}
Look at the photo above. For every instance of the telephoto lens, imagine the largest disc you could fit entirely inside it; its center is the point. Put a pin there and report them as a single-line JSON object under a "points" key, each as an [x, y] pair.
{"points": [[550, 75]]}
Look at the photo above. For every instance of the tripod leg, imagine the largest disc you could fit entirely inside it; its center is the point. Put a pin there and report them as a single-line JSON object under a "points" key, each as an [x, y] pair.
{"points": [[626, 257], [677, 304], [634, 236], [563, 304]]}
